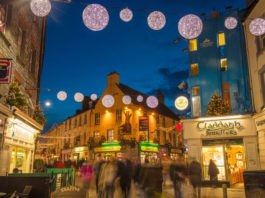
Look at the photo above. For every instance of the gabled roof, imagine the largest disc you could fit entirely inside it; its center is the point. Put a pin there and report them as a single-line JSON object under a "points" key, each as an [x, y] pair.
{"points": [[161, 109]]}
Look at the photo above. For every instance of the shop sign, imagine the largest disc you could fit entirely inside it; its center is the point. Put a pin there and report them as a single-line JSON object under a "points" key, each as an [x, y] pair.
{"points": [[148, 147], [181, 103], [108, 147], [5, 71], [143, 123], [219, 128], [260, 123], [176, 151]]}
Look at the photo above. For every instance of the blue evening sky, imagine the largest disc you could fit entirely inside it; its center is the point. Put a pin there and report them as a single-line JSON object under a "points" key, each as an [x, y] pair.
{"points": [[78, 59]]}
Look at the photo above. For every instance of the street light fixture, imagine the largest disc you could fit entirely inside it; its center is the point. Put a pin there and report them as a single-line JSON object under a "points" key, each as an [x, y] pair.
{"points": [[46, 104]]}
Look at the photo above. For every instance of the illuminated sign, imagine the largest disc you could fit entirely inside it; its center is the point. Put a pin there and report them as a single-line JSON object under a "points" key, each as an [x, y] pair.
{"points": [[108, 147], [181, 103], [148, 147], [5, 71]]}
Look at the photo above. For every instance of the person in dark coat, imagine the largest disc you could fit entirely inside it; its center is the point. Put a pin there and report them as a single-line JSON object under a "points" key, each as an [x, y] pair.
{"points": [[213, 171], [97, 167], [195, 173]]}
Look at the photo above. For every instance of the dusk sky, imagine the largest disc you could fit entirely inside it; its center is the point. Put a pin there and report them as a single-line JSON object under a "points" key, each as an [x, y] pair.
{"points": [[78, 59]]}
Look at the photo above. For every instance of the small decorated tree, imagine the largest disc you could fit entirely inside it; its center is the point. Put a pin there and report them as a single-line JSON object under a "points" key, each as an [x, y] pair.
{"points": [[217, 106], [15, 97], [39, 116]]}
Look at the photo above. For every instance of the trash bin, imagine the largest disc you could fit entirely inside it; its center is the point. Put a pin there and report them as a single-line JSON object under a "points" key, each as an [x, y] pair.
{"points": [[254, 182]]}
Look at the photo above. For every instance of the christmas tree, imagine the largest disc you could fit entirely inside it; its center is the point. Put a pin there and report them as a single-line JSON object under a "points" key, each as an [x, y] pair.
{"points": [[217, 106], [15, 97], [38, 115]]}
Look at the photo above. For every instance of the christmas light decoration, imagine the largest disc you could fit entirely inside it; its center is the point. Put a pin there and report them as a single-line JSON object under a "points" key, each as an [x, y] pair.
{"points": [[181, 103], [152, 102], [179, 126], [40, 8], [140, 98], [95, 17], [230, 23], [79, 97], [126, 99], [257, 26], [190, 26], [93, 97], [108, 101], [62, 95], [156, 20], [126, 15]]}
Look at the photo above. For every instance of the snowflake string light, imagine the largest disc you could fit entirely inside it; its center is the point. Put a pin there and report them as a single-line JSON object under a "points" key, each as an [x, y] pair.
{"points": [[152, 102], [140, 98], [230, 23], [190, 26], [257, 26], [79, 97], [126, 15], [156, 20], [95, 17], [126, 99], [62, 95], [40, 8], [93, 97], [108, 101]]}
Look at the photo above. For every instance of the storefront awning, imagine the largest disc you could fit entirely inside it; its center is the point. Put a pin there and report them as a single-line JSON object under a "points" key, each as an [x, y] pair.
{"points": [[149, 147], [108, 147]]}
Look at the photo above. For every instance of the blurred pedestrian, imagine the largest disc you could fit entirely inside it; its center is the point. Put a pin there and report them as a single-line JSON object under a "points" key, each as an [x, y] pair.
{"points": [[195, 174], [97, 168], [86, 173], [213, 171], [166, 167]]}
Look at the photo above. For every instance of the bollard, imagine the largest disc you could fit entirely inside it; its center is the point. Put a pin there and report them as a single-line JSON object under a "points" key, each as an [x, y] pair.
{"points": [[224, 186]]}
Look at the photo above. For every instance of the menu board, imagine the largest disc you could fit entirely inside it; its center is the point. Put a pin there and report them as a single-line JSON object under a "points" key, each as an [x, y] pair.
{"points": [[143, 123]]}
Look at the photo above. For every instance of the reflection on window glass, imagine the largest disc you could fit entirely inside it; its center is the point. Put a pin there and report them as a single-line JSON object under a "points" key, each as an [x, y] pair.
{"points": [[194, 69], [221, 39], [193, 45], [223, 63]]}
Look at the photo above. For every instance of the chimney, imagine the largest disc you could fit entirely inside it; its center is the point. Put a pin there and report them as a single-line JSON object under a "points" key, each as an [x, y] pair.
{"points": [[214, 14], [160, 97], [113, 79]]}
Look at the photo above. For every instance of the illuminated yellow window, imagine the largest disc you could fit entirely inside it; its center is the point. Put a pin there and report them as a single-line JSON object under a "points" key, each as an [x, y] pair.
{"points": [[193, 45], [194, 69], [223, 63], [221, 39]]}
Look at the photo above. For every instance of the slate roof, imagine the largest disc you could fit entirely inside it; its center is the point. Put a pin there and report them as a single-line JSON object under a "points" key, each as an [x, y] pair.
{"points": [[161, 109]]}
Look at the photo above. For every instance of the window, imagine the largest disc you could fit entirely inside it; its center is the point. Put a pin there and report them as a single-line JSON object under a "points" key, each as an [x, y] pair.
{"points": [[80, 120], [85, 138], [194, 69], [223, 63], [196, 101], [158, 136], [97, 119], [193, 45], [110, 133], [33, 61], [96, 134], [170, 137], [65, 126], [174, 139], [173, 122], [164, 137], [157, 119], [179, 140], [226, 93], [85, 119], [118, 115], [221, 39], [75, 122], [69, 124], [21, 42], [164, 121]]}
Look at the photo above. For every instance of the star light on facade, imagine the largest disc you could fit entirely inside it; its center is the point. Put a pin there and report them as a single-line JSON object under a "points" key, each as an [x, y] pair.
{"points": [[156, 20], [93, 97], [152, 102], [257, 26], [95, 17], [126, 99], [140, 98], [126, 15], [79, 97], [62, 95], [230, 23], [40, 8], [190, 26], [108, 101]]}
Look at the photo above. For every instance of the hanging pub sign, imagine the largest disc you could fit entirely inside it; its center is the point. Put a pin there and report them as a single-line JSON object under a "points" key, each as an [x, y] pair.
{"points": [[3, 17], [143, 123], [181, 103], [5, 70]]}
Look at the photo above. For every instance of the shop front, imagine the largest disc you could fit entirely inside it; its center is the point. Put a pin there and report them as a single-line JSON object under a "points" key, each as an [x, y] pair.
{"points": [[149, 151], [80, 153], [108, 150], [175, 153], [66, 154], [230, 141]]}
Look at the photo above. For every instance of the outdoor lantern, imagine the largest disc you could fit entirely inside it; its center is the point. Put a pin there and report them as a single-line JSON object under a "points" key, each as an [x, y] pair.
{"points": [[179, 126], [95, 17], [126, 15], [62, 95], [40, 8], [108, 101], [79, 97], [190, 26], [156, 20], [93, 97], [126, 99], [140, 98], [257, 26], [230, 23], [152, 102]]}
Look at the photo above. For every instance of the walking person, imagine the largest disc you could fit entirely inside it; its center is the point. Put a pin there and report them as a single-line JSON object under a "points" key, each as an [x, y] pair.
{"points": [[195, 174], [97, 169], [213, 171]]}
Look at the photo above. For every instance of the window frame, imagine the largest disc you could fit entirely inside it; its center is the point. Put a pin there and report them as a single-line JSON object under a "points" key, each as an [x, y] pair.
{"points": [[195, 96], [193, 45], [118, 115], [194, 71], [223, 39], [110, 138], [225, 68], [97, 118]]}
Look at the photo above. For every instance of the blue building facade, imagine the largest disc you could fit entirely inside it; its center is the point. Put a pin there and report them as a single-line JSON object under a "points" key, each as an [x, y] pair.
{"points": [[218, 64]]}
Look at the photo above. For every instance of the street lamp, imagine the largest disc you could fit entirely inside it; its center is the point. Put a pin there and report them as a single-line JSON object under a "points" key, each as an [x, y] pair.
{"points": [[46, 104]]}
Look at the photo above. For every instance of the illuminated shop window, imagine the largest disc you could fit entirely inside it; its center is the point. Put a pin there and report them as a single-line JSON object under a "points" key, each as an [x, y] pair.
{"points": [[110, 135], [194, 69], [226, 93], [196, 102], [223, 63], [221, 39], [193, 45]]}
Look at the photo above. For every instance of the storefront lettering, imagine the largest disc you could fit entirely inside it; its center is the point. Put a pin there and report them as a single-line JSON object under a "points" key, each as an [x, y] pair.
{"points": [[260, 123], [219, 128]]}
